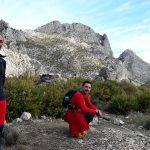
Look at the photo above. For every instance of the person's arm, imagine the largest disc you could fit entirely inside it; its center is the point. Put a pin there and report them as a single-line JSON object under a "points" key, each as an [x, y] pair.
{"points": [[88, 102], [80, 103], [90, 105]]}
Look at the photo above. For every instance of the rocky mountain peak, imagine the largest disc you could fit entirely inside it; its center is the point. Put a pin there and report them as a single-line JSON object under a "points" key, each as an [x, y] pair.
{"points": [[57, 27], [127, 67], [3, 25], [80, 33], [69, 50], [127, 54]]}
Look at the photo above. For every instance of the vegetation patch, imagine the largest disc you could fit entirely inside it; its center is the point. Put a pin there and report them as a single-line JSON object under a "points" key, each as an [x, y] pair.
{"points": [[119, 98]]}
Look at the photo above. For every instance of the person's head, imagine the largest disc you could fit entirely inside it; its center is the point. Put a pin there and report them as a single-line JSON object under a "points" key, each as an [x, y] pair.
{"points": [[1, 41], [86, 87]]}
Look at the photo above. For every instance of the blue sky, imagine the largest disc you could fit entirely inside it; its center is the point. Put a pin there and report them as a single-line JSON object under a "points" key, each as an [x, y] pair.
{"points": [[126, 22]]}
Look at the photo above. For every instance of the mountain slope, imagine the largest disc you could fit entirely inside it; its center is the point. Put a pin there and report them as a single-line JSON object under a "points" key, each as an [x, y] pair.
{"points": [[70, 50], [127, 67]]}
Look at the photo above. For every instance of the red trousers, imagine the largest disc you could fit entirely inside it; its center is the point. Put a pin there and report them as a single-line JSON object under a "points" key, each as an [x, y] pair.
{"points": [[76, 121], [2, 111]]}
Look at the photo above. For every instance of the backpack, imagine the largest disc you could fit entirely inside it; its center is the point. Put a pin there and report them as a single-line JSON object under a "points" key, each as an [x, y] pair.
{"points": [[67, 97]]}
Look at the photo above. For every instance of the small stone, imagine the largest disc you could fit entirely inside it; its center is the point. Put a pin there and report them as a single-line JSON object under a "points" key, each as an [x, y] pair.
{"points": [[121, 122], [17, 120], [43, 117], [25, 116]]}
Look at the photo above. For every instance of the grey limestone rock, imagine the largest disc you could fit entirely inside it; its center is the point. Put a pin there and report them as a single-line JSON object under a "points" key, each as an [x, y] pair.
{"points": [[70, 50], [79, 32], [127, 67]]}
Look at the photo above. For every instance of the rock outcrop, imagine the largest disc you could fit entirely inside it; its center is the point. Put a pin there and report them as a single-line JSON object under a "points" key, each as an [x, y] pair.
{"points": [[69, 50], [80, 33], [128, 67], [18, 64], [76, 51]]}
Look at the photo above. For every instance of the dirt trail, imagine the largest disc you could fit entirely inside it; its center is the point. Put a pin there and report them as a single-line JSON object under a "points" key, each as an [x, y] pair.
{"points": [[53, 135]]}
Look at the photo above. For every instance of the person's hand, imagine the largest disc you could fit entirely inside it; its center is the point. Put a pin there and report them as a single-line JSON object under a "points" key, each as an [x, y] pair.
{"points": [[98, 113]]}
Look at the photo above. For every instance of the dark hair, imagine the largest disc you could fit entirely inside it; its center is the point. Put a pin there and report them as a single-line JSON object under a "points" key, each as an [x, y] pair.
{"points": [[87, 81]]}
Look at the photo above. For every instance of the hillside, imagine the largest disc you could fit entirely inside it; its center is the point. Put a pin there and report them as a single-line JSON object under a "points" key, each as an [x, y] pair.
{"points": [[69, 50]]}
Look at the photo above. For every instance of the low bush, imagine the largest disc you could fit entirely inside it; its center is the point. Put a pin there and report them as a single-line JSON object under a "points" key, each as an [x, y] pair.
{"points": [[11, 135], [120, 98], [119, 104], [143, 102]]}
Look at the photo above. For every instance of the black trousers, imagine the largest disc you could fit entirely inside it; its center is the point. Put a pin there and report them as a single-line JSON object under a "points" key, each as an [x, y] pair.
{"points": [[1, 135], [88, 117]]}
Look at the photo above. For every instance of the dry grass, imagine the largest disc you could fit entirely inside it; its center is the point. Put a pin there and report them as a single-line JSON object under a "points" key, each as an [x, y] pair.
{"points": [[11, 135]]}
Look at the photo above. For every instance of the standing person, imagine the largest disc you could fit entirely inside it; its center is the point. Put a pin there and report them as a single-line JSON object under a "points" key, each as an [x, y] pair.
{"points": [[83, 112], [2, 97]]}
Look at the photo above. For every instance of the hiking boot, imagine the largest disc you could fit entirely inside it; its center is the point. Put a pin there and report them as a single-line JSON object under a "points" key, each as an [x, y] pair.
{"points": [[84, 133], [79, 136]]}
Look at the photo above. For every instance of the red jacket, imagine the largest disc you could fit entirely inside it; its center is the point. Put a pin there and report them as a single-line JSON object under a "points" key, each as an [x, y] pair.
{"points": [[75, 118]]}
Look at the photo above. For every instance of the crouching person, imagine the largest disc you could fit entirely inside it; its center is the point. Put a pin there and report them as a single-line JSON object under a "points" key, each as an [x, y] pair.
{"points": [[81, 113]]}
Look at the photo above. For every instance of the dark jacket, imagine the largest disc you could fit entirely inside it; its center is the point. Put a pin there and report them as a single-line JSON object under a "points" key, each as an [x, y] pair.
{"points": [[2, 77]]}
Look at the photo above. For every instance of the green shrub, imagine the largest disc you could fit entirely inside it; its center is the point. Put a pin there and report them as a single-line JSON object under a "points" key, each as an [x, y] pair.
{"points": [[22, 95], [122, 104], [130, 89], [119, 104], [103, 90], [132, 103], [143, 102]]}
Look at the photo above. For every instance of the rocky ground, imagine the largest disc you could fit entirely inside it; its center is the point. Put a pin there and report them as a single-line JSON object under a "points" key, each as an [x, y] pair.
{"points": [[52, 134]]}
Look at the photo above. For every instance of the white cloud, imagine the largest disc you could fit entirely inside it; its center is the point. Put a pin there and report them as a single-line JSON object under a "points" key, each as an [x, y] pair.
{"points": [[144, 37], [147, 20], [138, 43], [123, 7], [145, 55]]}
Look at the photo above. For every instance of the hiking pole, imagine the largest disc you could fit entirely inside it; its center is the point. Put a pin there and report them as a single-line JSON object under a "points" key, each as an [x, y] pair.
{"points": [[105, 118], [99, 116], [98, 119]]}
